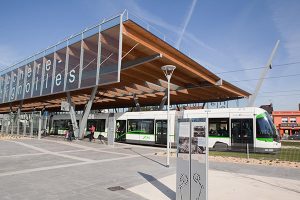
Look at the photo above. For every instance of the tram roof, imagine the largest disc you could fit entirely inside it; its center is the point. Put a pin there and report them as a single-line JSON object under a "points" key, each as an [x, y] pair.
{"points": [[143, 56]]}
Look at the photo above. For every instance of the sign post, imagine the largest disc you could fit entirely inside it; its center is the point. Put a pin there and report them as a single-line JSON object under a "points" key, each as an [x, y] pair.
{"points": [[192, 159]]}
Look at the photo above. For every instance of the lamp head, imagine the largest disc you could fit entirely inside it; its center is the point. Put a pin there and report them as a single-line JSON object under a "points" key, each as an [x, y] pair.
{"points": [[168, 70]]}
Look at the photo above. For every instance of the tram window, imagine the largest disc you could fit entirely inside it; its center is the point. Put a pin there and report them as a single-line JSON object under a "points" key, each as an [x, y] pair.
{"points": [[141, 126], [219, 127], [98, 123], [264, 128]]}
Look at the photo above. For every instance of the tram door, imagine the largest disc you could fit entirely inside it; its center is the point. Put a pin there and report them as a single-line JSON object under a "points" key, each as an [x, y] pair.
{"points": [[120, 130], [161, 132], [241, 134]]}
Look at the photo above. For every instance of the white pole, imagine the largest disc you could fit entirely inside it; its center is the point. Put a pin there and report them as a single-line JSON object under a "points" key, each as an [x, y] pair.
{"points": [[247, 151], [168, 127]]}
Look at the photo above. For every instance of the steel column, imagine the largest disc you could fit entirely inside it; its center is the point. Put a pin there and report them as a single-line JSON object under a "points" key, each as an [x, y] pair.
{"points": [[31, 125], [18, 118], [87, 112], [73, 115]]}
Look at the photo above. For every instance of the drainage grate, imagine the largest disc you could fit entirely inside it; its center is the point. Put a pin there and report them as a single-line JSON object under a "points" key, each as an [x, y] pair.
{"points": [[116, 188]]}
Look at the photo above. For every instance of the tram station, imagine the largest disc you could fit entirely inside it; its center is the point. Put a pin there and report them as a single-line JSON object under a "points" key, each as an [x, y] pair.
{"points": [[115, 64]]}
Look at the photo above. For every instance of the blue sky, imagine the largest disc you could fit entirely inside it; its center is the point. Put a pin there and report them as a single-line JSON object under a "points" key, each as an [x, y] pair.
{"points": [[221, 35]]}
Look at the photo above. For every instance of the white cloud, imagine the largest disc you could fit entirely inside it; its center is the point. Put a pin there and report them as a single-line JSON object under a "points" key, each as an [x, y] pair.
{"points": [[186, 22]]}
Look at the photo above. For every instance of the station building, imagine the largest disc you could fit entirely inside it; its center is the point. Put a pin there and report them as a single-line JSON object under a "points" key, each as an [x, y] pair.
{"points": [[114, 64]]}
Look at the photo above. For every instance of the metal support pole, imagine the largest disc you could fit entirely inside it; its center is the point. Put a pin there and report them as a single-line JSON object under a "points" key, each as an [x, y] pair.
{"points": [[2, 125], [247, 151], [87, 112], [18, 118], [262, 76], [168, 71], [24, 127], [40, 127], [168, 128], [31, 125], [7, 124]]}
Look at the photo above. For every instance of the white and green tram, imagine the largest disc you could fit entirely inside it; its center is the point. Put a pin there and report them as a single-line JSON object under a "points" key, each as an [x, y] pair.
{"points": [[228, 128]]}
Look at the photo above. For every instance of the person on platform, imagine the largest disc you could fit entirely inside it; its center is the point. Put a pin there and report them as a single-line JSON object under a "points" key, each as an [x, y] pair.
{"points": [[92, 131]]}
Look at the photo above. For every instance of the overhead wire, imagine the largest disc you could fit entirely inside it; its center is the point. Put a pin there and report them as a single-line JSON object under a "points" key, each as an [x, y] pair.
{"points": [[255, 68]]}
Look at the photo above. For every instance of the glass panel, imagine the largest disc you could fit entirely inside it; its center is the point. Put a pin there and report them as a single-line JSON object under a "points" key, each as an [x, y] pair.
{"points": [[73, 66], [89, 68], [109, 52], [37, 78], [14, 76], [20, 86], [98, 123], [28, 77], [48, 72], [60, 70], [2, 81], [6, 87]]}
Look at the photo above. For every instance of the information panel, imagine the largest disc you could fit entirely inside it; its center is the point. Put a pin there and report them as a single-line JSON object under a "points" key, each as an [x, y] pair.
{"points": [[192, 167], [87, 59]]}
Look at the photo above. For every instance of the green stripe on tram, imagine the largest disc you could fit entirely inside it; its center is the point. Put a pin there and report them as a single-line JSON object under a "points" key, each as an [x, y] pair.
{"points": [[265, 139], [262, 115], [139, 132]]}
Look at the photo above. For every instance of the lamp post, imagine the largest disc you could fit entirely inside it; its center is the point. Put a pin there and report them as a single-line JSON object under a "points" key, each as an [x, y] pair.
{"points": [[168, 71]]}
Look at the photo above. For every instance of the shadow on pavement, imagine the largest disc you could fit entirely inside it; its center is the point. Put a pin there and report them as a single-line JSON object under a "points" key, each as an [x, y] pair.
{"points": [[159, 185], [147, 157]]}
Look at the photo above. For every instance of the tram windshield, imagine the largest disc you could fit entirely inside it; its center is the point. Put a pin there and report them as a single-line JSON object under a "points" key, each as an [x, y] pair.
{"points": [[265, 127]]}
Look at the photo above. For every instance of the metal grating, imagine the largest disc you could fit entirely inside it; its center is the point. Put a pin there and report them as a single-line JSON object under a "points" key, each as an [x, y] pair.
{"points": [[116, 188]]}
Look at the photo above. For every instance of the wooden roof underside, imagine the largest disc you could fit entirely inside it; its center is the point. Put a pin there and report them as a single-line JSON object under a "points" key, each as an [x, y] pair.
{"points": [[190, 82]]}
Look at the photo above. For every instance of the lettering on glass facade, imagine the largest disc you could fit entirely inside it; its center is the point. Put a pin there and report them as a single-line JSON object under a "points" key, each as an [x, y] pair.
{"points": [[72, 65]]}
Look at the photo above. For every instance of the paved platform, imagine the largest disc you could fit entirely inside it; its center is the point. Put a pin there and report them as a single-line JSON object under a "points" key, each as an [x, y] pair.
{"points": [[226, 186], [57, 169]]}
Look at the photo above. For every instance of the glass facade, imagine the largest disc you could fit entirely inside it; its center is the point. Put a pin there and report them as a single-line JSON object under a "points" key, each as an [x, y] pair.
{"points": [[90, 58]]}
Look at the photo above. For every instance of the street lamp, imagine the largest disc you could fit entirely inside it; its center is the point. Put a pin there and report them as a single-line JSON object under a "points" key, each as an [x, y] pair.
{"points": [[168, 71]]}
